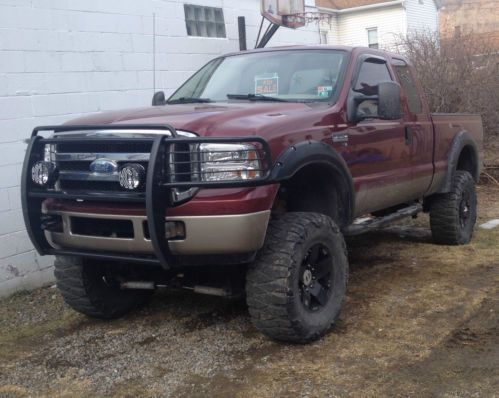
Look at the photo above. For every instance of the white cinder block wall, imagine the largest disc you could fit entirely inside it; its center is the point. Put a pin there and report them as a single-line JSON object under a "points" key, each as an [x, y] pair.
{"points": [[61, 59]]}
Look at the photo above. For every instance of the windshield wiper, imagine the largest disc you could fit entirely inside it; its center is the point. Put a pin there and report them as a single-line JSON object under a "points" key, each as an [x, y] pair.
{"points": [[255, 97], [188, 100]]}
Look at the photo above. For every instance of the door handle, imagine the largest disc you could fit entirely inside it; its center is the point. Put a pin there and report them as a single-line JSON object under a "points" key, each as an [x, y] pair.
{"points": [[408, 135]]}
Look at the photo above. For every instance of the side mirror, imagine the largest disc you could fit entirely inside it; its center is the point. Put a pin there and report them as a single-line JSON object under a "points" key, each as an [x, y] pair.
{"points": [[383, 102], [389, 106], [158, 98]]}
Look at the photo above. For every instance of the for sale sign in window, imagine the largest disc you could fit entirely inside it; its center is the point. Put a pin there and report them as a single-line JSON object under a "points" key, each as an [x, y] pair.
{"points": [[267, 84]]}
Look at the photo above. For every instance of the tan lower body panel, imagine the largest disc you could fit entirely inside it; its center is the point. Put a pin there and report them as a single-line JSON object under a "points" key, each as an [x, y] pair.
{"points": [[238, 233]]}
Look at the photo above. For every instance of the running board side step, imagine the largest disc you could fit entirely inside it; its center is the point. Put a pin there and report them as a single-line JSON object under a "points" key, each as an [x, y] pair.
{"points": [[371, 224]]}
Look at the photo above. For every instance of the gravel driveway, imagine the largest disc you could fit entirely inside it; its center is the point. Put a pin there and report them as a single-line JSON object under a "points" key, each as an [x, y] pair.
{"points": [[419, 320]]}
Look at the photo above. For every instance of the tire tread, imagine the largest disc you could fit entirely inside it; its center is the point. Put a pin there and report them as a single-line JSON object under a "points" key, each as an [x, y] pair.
{"points": [[268, 292]]}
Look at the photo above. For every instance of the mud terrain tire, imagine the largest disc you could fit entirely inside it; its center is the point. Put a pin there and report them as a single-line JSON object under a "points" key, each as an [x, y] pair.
{"points": [[453, 214], [286, 284], [84, 287]]}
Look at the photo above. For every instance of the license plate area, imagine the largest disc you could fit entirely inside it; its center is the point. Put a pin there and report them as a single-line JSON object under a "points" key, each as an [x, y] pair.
{"points": [[102, 227]]}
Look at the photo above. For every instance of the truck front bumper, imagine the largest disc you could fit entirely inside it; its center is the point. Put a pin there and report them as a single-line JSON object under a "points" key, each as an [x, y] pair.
{"points": [[218, 234], [224, 234]]}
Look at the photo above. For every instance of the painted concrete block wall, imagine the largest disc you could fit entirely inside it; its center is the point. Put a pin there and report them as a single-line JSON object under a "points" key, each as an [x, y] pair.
{"points": [[61, 59]]}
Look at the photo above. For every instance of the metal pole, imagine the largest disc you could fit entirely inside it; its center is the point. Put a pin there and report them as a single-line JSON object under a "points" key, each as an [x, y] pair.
{"points": [[259, 31], [267, 36], [153, 53], [241, 24]]}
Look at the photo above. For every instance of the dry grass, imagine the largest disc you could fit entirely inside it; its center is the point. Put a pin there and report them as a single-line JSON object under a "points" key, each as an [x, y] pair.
{"points": [[419, 320]]}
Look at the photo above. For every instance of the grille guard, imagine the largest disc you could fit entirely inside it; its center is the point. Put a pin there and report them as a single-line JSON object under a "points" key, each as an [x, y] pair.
{"points": [[158, 192]]}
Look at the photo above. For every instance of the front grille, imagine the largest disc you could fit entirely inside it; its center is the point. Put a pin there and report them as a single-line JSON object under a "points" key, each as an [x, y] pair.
{"points": [[74, 159], [109, 147], [95, 186], [74, 165]]}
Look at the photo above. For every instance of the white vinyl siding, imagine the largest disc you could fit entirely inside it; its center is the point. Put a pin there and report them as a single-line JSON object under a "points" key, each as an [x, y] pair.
{"points": [[390, 21], [421, 16], [350, 28]]}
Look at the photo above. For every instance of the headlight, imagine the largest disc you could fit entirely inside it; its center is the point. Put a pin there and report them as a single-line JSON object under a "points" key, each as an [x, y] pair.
{"points": [[44, 174], [49, 153], [226, 162]]}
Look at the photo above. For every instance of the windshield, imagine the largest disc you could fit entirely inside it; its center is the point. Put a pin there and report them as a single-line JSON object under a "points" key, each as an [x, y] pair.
{"points": [[295, 76]]}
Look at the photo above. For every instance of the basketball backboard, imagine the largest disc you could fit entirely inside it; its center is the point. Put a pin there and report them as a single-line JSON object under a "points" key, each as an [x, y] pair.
{"points": [[287, 13]]}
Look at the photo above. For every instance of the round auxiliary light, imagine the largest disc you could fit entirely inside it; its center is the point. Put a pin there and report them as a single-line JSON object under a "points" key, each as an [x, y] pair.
{"points": [[132, 176], [44, 173]]}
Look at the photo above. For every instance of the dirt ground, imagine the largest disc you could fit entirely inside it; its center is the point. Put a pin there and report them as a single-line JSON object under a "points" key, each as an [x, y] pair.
{"points": [[420, 320]]}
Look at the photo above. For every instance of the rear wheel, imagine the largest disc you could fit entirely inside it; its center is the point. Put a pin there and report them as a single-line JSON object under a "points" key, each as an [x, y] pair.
{"points": [[296, 287], [453, 214], [92, 288]]}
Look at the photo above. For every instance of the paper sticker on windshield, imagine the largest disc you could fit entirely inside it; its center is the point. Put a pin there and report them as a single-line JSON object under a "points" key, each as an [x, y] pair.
{"points": [[267, 84], [324, 91]]}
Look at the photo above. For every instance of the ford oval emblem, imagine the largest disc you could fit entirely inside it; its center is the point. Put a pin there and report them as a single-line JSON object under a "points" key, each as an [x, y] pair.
{"points": [[103, 166]]}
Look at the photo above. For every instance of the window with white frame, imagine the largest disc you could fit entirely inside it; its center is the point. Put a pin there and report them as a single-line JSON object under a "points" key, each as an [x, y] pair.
{"points": [[372, 37], [324, 36], [204, 21]]}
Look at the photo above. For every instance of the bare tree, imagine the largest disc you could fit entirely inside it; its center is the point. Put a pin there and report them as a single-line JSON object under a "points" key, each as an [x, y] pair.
{"points": [[460, 74]]}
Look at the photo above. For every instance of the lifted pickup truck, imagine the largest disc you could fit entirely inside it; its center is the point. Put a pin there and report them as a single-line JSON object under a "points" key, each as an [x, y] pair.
{"points": [[245, 181]]}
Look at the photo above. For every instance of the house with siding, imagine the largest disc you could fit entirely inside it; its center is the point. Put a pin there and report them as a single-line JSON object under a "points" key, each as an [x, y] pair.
{"points": [[375, 23]]}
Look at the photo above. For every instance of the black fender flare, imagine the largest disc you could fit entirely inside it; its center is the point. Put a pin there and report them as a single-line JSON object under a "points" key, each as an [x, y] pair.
{"points": [[310, 152], [461, 140]]}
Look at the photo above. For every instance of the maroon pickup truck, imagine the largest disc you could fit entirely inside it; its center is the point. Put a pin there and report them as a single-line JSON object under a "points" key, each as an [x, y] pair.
{"points": [[245, 181]]}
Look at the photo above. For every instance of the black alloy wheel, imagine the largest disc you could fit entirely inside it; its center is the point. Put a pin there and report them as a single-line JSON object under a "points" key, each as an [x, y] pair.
{"points": [[315, 277]]}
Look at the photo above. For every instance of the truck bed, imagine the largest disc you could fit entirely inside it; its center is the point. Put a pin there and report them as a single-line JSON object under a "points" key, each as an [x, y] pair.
{"points": [[446, 127]]}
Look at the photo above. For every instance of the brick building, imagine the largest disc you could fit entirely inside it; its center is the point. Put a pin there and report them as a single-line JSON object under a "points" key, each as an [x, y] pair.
{"points": [[461, 17]]}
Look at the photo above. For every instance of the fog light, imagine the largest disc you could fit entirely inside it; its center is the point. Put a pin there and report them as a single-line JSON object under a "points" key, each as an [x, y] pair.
{"points": [[44, 173], [175, 230], [132, 176]]}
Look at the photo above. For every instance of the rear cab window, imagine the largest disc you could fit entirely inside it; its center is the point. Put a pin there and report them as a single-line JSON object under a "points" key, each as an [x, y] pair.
{"points": [[408, 85]]}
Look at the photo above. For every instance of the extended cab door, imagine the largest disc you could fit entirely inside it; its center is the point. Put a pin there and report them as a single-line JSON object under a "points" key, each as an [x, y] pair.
{"points": [[418, 128], [376, 152]]}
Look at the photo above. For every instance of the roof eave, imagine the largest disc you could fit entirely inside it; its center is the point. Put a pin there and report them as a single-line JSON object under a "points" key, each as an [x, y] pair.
{"points": [[362, 8]]}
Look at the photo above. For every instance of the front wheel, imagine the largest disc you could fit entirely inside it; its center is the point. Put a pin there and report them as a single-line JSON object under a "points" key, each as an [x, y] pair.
{"points": [[296, 287], [92, 288]]}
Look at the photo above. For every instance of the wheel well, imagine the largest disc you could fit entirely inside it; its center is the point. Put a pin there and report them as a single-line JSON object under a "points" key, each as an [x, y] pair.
{"points": [[467, 161], [318, 188]]}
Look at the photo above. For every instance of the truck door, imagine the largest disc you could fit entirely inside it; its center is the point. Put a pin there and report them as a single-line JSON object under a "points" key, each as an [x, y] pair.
{"points": [[418, 128], [376, 153]]}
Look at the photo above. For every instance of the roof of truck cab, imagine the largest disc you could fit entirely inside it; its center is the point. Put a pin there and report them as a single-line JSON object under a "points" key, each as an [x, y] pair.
{"points": [[316, 47]]}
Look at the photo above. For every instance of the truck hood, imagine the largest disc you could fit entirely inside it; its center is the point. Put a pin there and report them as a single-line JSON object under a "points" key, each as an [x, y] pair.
{"points": [[210, 119]]}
